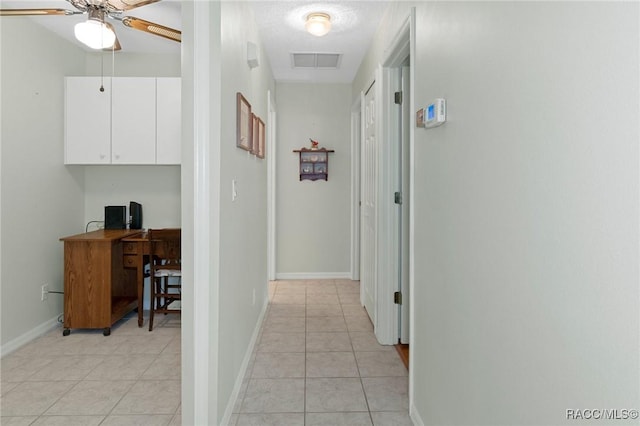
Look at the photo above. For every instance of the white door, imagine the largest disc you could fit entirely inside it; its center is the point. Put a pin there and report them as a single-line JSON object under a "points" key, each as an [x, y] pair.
{"points": [[403, 243], [368, 193]]}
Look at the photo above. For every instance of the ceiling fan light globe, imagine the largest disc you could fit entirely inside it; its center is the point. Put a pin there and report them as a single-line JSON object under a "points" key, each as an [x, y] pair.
{"points": [[94, 34], [318, 24]]}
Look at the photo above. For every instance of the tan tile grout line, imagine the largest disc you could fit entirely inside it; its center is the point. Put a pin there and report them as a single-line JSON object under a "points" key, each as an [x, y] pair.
{"points": [[306, 331], [139, 379], [353, 351], [304, 399]]}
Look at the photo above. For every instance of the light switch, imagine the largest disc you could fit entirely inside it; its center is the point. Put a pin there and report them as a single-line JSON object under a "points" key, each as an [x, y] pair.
{"points": [[234, 190]]}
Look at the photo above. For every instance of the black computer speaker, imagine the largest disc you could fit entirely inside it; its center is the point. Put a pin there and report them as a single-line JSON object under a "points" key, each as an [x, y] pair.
{"points": [[135, 215], [115, 217]]}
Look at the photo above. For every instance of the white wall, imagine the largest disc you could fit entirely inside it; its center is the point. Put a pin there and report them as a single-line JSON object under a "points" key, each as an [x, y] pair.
{"points": [[228, 258], [313, 217], [197, 315], [124, 64], [57, 200], [243, 222], [42, 200], [157, 188], [526, 211]]}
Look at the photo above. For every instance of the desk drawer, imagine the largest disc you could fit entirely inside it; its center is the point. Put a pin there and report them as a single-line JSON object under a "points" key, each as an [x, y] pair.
{"points": [[129, 248], [130, 261]]}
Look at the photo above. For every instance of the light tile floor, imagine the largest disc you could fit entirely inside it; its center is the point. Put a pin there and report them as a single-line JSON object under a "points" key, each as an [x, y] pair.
{"points": [[131, 377], [316, 362]]}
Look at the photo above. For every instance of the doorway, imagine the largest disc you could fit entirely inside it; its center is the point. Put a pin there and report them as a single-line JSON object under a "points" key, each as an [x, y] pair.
{"points": [[384, 203], [271, 186], [403, 127], [394, 224]]}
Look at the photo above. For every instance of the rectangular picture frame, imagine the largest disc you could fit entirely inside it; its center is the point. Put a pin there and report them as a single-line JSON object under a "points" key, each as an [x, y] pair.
{"points": [[244, 123], [261, 138], [254, 134]]}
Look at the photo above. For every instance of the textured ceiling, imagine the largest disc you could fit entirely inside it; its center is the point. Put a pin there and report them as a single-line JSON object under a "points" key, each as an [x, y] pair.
{"points": [[166, 12], [281, 26], [280, 23]]}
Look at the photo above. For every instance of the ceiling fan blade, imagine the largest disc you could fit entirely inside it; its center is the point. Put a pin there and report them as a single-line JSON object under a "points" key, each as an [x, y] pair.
{"points": [[116, 45], [153, 28], [36, 12], [129, 4]]}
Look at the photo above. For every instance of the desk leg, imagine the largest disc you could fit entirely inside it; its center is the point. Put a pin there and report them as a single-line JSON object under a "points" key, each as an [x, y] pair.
{"points": [[140, 288]]}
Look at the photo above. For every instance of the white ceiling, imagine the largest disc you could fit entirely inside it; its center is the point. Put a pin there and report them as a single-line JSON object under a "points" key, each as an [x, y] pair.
{"points": [[281, 27], [280, 24], [166, 12]]}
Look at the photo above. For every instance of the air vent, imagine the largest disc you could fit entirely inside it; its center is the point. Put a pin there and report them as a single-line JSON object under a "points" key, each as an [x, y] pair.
{"points": [[316, 60]]}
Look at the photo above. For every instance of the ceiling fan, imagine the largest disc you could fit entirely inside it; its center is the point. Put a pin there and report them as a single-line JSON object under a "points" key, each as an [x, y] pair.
{"points": [[96, 32]]}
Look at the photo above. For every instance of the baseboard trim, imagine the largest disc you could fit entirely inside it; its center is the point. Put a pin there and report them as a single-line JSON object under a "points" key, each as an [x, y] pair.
{"points": [[415, 416], [228, 412], [29, 336], [313, 275]]}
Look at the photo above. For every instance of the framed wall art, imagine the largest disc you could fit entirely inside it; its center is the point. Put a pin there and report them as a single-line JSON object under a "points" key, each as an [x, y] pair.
{"points": [[254, 134], [261, 138], [244, 123]]}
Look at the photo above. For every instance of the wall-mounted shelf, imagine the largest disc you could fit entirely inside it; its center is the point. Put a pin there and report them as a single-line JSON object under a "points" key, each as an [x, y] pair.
{"points": [[314, 163]]}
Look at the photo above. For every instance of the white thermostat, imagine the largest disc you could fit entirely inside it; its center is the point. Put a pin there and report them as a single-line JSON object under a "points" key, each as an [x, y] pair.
{"points": [[435, 113]]}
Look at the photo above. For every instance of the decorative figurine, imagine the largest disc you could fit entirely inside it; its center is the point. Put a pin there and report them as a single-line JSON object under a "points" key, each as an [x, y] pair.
{"points": [[314, 144]]}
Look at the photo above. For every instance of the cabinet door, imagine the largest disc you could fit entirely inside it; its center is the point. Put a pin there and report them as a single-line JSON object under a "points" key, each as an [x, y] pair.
{"points": [[169, 119], [133, 120], [87, 115]]}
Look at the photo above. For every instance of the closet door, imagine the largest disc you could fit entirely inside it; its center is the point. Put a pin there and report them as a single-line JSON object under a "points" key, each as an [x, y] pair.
{"points": [[87, 114], [133, 120], [368, 210]]}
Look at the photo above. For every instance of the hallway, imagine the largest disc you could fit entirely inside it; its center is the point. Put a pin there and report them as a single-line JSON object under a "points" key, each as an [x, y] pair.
{"points": [[317, 362]]}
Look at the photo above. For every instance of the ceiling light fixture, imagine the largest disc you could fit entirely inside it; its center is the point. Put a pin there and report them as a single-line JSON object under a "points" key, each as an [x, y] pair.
{"points": [[318, 24], [94, 32]]}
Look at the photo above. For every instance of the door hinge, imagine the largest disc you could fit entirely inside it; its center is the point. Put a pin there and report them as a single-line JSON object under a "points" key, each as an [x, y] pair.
{"points": [[398, 98], [397, 298], [397, 197]]}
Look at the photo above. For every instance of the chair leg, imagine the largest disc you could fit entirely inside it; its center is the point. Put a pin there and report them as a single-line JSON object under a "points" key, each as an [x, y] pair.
{"points": [[152, 302], [165, 290]]}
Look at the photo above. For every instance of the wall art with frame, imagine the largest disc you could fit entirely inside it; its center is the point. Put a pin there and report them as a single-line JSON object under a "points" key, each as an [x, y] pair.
{"points": [[244, 123], [258, 137]]}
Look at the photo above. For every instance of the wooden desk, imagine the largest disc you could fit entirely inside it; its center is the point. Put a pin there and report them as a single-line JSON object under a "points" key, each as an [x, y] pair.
{"points": [[98, 289], [136, 256]]}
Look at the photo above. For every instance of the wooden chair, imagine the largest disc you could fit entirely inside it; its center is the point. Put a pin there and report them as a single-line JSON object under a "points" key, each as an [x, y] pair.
{"points": [[165, 271]]}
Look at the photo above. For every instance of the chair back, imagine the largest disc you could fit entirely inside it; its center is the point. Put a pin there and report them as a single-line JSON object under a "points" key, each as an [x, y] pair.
{"points": [[165, 248]]}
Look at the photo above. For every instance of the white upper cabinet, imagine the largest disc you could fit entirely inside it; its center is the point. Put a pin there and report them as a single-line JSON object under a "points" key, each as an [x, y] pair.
{"points": [[169, 118], [133, 120], [87, 120], [136, 120]]}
